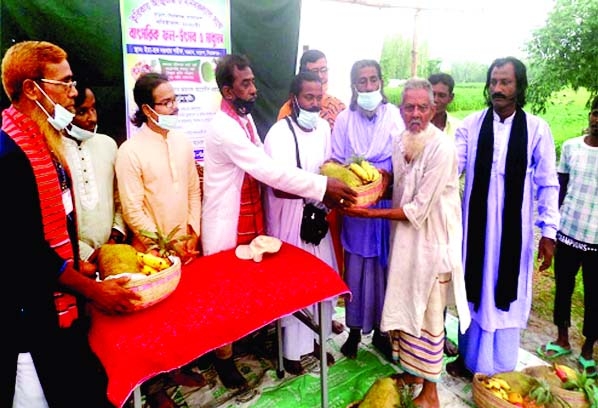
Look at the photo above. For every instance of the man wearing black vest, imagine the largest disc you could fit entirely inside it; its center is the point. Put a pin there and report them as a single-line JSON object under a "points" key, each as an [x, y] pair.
{"points": [[509, 161]]}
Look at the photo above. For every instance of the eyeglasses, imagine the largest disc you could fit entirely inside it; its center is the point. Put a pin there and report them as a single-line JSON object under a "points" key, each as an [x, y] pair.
{"points": [[322, 70], [411, 108], [169, 103], [68, 85]]}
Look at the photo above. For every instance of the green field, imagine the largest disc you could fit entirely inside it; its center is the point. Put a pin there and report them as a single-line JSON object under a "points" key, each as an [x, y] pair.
{"points": [[566, 113]]}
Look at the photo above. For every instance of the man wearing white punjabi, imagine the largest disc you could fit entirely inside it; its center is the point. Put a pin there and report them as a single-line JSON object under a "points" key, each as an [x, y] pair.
{"points": [[425, 270], [303, 138]]}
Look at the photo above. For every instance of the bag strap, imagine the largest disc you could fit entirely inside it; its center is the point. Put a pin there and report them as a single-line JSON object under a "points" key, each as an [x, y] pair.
{"points": [[295, 138], [288, 119]]}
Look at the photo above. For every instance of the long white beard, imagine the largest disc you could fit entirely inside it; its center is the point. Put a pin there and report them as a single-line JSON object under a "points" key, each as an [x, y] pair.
{"points": [[415, 142]]}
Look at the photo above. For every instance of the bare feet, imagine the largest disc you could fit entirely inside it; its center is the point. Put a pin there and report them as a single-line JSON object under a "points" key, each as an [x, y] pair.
{"points": [[406, 379], [229, 373], [450, 348], [349, 349], [457, 369], [428, 397], [337, 327]]}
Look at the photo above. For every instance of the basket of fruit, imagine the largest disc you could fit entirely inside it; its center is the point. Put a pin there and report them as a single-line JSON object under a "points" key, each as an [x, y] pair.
{"points": [[513, 388], [573, 387], [361, 176], [153, 277]]}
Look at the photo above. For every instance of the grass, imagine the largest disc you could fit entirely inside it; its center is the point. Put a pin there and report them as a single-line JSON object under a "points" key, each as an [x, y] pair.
{"points": [[566, 112]]}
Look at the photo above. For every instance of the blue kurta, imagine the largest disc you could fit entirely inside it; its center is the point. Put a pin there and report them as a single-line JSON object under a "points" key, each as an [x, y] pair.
{"points": [[366, 240]]}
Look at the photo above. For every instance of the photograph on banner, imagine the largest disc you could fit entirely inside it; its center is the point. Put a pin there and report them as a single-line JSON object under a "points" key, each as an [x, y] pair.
{"points": [[181, 39]]}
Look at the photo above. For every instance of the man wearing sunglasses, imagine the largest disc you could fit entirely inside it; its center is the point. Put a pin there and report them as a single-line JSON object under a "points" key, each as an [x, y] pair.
{"points": [[46, 360]]}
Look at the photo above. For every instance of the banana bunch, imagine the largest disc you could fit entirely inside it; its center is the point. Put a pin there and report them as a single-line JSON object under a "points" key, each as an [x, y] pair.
{"points": [[152, 264], [497, 386], [365, 171]]}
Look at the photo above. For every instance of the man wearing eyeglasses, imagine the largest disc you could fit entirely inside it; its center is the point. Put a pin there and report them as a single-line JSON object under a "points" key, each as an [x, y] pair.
{"points": [[46, 360], [315, 61], [158, 182], [425, 271]]}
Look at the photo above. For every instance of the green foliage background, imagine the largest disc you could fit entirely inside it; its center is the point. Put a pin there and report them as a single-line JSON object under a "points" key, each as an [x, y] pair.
{"points": [[565, 111]]}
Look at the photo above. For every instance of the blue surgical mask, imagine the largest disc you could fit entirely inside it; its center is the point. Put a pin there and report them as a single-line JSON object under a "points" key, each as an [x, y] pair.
{"points": [[369, 100], [307, 119], [166, 122], [62, 117], [80, 134]]}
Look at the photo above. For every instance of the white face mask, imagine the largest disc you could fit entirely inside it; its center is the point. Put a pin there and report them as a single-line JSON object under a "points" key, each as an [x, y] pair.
{"points": [[80, 134], [62, 117], [369, 100], [306, 119], [166, 122]]}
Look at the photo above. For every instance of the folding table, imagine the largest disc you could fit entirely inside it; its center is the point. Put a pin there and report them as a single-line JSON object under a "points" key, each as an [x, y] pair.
{"points": [[220, 299]]}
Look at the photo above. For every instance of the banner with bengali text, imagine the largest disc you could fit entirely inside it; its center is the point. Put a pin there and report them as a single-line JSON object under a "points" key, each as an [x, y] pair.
{"points": [[181, 39]]}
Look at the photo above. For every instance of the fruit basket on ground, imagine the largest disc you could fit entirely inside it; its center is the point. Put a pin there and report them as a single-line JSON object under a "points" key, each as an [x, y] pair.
{"points": [[153, 277], [361, 176], [572, 386], [513, 388]]}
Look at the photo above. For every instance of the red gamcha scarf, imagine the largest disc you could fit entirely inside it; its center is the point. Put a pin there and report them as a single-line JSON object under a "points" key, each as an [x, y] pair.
{"points": [[27, 136]]}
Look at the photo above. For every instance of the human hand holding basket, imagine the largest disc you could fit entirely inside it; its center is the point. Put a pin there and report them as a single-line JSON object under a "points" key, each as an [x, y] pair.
{"points": [[361, 176]]}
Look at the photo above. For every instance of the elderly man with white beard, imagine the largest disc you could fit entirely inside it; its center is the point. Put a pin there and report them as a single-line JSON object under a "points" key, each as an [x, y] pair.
{"points": [[425, 272]]}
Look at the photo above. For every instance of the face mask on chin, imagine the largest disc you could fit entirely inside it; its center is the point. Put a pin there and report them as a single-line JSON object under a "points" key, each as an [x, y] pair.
{"points": [[369, 100], [242, 106], [80, 134], [166, 122], [62, 117], [305, 118]]}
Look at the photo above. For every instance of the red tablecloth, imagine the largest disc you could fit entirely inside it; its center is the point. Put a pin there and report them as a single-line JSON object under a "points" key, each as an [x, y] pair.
{"points": [[219, 299]]}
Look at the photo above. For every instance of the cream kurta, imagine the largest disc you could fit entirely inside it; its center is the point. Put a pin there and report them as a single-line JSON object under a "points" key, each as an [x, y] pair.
{"points": [[158, 182], [91, 164], [428, 243], [228, 155]]}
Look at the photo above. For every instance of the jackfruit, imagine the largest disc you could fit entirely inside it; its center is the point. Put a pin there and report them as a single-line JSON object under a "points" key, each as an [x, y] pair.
{"points": [[117, 258], [382, 394], [338, 171]]}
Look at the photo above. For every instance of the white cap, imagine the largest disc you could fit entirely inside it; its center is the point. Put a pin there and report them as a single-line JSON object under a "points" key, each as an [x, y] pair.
{"points": [[256, 248]]}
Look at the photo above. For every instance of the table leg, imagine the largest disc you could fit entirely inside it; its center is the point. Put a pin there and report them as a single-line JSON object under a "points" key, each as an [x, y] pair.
{"points": [[323, 358], [137, 397], [280, 368]]}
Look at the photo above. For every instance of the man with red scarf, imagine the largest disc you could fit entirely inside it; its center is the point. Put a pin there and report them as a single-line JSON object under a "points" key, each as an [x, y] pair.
{"points": [[46, 360], [234, 166]]}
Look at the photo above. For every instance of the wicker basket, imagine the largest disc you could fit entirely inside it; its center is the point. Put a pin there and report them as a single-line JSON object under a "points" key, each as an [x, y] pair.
{"points": [[483, 398], [157, 287], [576, 399], [369, 193]]}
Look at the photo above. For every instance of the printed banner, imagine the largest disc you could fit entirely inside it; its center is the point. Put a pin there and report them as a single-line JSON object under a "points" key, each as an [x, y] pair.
{"points": [[181, 39]]}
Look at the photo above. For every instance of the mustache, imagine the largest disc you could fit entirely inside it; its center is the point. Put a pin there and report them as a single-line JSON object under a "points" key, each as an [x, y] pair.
{"points": [[415, 122], [497, 95]]}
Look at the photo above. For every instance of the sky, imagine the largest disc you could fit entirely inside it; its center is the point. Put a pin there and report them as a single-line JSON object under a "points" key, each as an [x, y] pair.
{"points": [[455, 31]]}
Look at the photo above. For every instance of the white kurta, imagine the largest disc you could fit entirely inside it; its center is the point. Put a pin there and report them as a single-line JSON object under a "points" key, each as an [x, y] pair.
{"points": [[229, 153], [91, 164], [283, 217], [429, 242]]}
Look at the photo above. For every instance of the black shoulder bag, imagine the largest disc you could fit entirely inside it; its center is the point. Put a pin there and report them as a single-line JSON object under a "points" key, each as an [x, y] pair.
{"points": [[314, 225]]}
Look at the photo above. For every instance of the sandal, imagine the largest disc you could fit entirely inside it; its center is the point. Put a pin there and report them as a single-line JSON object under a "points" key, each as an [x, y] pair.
{"points": [[589, 366], [551, 350]]}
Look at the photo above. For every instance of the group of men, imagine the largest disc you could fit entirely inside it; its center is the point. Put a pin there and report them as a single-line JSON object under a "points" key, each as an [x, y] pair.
{"points": [[418, 249]]}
